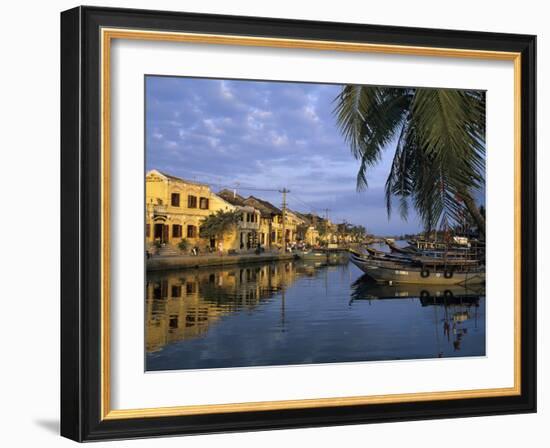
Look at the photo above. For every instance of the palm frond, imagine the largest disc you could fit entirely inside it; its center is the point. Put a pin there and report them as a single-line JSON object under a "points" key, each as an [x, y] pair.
{"points": [[440, 149], [368, 118]]}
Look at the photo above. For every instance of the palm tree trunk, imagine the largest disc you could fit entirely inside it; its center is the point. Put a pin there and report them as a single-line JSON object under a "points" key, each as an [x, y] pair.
{"points": [[474, 212]]}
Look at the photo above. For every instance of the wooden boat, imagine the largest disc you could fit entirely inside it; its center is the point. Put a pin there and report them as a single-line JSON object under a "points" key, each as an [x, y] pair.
{"points": [[408, 250], [322, 255], [418, 272], [428, 245], [375, 252], [438, 250], [312, 255], [444, 261]]}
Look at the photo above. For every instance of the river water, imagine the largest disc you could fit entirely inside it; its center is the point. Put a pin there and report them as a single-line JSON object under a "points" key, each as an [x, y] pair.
{"points": [[300, 312]]}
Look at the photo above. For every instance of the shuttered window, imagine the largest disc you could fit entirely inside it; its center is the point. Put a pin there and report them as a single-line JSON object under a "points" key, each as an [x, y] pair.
{"points": [[204, 203], [191, 201], [191, 231], [175, 201], [176, 231]]}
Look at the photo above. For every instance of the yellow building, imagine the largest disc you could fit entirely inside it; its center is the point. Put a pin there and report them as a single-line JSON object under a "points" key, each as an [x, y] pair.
{"points": [[175, 208], [292, 224], [308, 234], [270, 222], [306, 230], [250, 226], [270, 232]]}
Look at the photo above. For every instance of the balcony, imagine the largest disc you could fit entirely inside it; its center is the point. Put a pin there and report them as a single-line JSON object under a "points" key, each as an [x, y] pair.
{"points": [[249, 225], [159, 210]]}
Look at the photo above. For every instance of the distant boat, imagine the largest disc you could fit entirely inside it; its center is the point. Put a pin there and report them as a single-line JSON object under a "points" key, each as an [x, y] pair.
{"points": [[421, 271], [317, 254]]}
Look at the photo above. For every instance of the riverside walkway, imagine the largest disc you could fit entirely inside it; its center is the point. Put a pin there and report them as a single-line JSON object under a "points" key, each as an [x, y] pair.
{"points": [[161, 263]]}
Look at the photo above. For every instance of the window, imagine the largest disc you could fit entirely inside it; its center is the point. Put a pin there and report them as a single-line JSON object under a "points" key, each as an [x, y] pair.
{"points": [[191, 231], [190, 288], [176, 291], [176, 231], [204, 203], [157, 291], [173, 322], [191, 201], [148, 230], [175, 201]]}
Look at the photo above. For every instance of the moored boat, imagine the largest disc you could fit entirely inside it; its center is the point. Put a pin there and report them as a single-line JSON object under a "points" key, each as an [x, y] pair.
{"points": [[407, 250], [428, 272], [321, 255]]}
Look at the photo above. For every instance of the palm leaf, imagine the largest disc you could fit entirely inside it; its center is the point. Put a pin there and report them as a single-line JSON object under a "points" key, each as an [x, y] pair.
{"points": [[368, 118]]}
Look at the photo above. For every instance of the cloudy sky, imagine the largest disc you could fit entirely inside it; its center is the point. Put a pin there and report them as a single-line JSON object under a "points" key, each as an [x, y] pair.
{"points": [[265, 136]]}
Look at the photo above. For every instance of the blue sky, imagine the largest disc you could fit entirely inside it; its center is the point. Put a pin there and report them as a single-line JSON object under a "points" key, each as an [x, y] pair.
{"points": [[265, 135]]}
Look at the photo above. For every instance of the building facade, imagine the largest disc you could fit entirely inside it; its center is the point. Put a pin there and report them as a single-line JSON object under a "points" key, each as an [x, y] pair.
{"points": [[270, 222], [250, 221], [175, 209]]}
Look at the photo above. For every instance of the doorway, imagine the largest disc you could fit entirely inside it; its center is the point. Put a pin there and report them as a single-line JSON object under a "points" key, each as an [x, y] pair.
{"points": [[160, 232]]}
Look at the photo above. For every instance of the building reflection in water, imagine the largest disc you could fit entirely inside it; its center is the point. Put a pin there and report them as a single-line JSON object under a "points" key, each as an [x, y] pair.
{"points": [[182, 305]]}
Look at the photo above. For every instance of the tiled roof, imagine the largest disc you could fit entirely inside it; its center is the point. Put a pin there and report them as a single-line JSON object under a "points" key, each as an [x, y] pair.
{"points": [[179, 179], [231, 197], [266, 208]]}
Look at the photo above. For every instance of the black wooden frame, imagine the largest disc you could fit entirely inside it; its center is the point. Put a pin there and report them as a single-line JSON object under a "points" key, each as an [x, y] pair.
{"points": [[81, 219]]}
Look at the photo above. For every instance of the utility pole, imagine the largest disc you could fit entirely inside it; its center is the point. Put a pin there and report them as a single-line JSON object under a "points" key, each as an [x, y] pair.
{"points": [[326, 225], [284, 191]]}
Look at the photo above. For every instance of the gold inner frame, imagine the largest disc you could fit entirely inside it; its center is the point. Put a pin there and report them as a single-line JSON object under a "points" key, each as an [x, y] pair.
{"points": [[107, 35]]}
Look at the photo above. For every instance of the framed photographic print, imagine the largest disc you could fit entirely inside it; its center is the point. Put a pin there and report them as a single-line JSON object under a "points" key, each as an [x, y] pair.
{"points": [[273, 223]]}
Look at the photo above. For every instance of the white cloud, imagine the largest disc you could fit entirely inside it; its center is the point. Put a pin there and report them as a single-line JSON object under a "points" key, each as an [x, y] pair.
{"points": [[225, 91], [310, 113], [211, 126], [278, 139]]}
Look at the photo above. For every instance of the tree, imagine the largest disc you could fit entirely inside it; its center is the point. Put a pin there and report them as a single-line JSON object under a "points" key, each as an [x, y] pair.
{"points": [[358, 232], [469, 225], [323, 230], [218, 224], [439, 141]]}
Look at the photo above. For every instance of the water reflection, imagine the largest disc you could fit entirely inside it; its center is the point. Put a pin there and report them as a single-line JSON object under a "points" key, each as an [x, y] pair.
{"points": [[460, 304], [182, 305], [300, 312]]}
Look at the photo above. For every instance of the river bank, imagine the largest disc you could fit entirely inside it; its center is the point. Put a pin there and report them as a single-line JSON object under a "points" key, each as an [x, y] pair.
{"points": [[186, 261]]}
